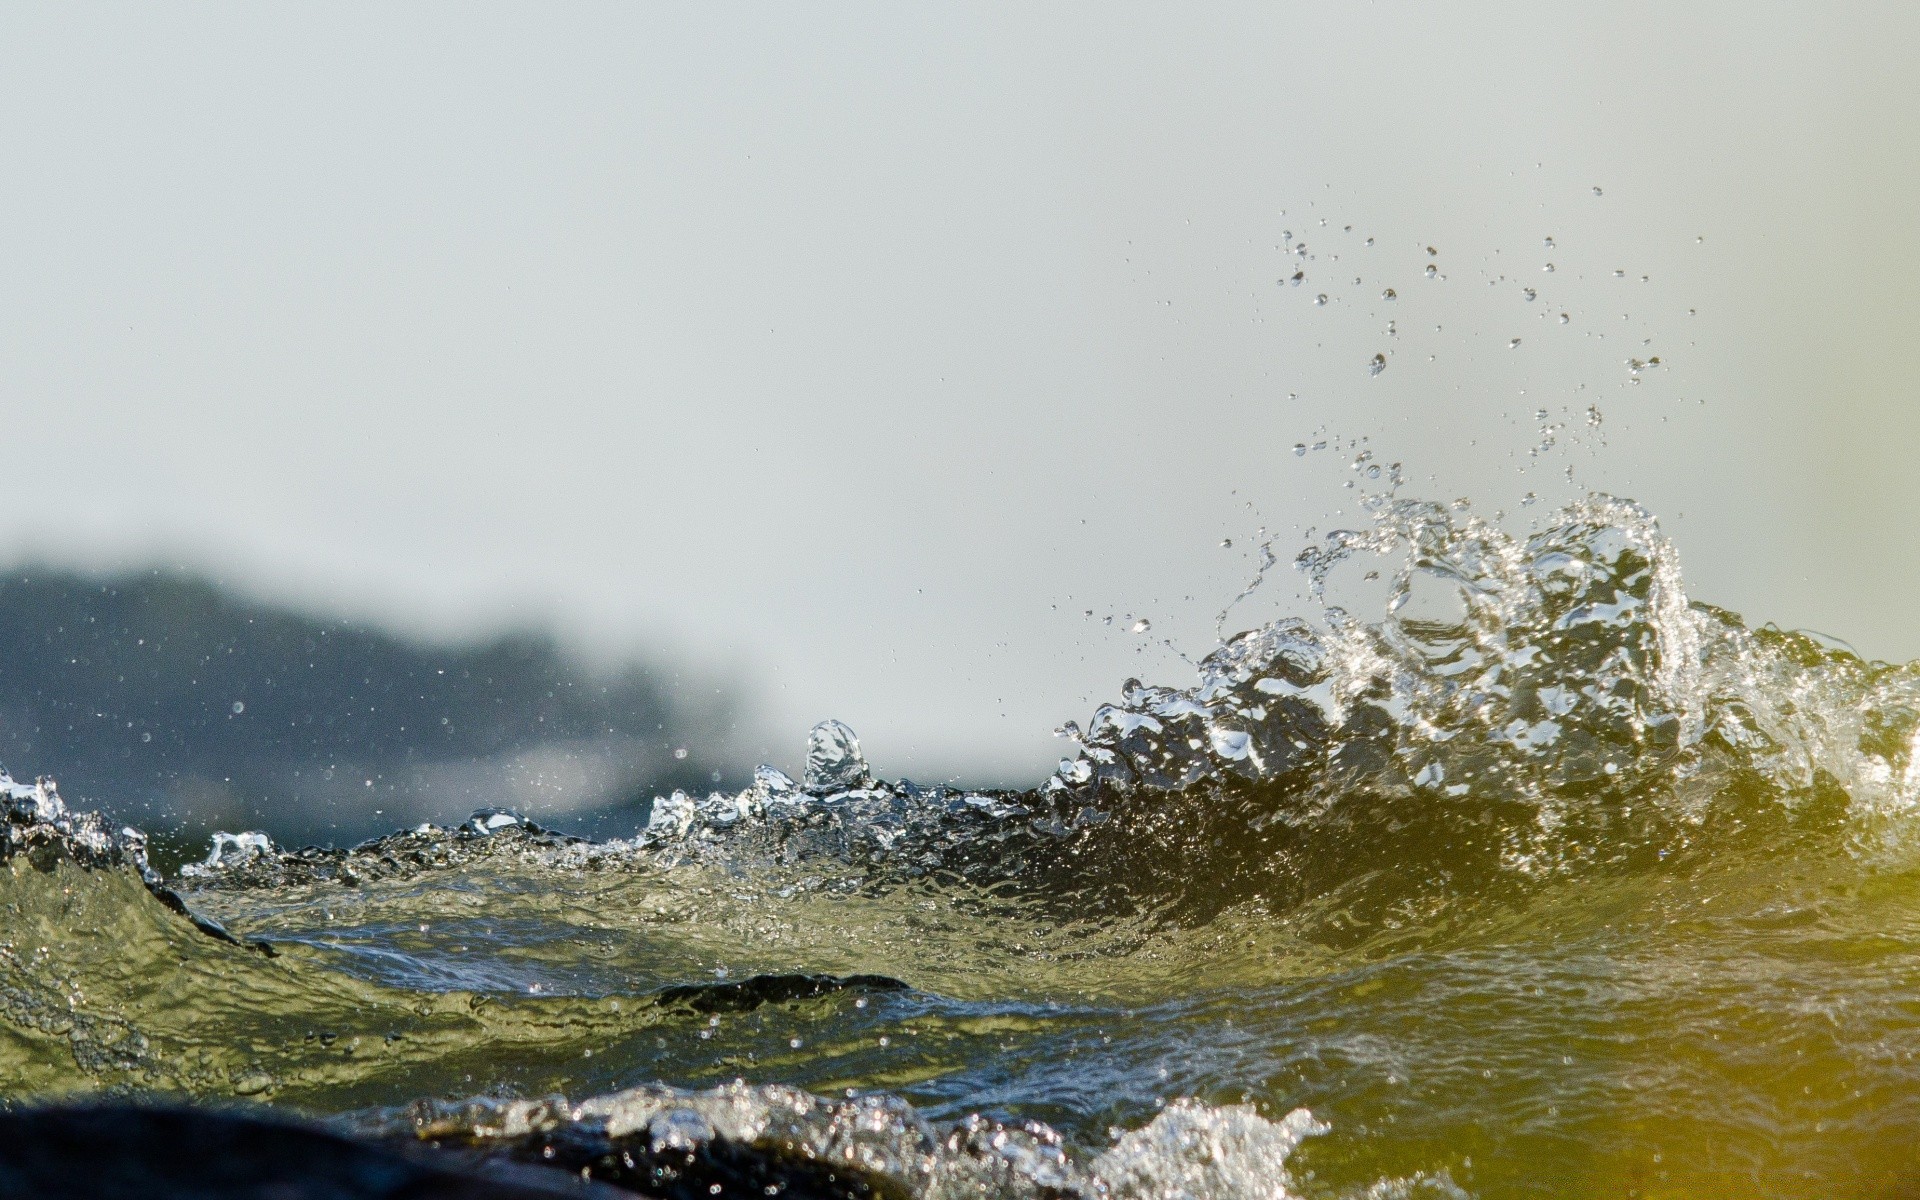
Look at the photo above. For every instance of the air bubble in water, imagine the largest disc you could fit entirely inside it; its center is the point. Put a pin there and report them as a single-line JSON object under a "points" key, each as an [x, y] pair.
{"points": [[1377, 365]]}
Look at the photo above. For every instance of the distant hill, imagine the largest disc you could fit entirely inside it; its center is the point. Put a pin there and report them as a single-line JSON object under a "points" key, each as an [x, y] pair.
{"points": [[162, 698]]}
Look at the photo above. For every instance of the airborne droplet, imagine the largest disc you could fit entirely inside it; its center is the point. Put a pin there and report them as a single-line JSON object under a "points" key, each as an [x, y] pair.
{"points": [[834, 761], [1377, 365]]}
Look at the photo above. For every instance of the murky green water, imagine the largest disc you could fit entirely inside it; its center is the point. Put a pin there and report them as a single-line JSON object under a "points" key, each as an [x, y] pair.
{"points": [[1545, 882]]}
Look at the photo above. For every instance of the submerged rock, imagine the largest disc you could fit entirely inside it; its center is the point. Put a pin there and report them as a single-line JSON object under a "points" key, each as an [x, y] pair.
{"points": [[129, 1152]]}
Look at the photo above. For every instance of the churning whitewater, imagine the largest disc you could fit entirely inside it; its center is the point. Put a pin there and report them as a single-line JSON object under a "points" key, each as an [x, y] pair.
{"points": [[1545, 880]]}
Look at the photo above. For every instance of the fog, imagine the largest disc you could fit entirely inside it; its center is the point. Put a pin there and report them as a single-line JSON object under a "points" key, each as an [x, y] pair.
{"points": [[871, 358]]}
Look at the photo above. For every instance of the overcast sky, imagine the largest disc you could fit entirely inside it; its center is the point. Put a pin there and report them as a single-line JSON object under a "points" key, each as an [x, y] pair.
{"points": [[860, 351]]}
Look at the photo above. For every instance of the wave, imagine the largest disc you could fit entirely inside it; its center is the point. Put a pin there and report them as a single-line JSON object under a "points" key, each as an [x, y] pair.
{"points": [[1536, 734]]}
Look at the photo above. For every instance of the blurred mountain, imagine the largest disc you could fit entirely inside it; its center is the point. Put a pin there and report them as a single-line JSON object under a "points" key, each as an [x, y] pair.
{"points": [[164, 699]]}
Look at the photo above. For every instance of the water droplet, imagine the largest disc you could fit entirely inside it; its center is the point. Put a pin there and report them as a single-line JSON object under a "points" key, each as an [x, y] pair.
{"points": [[1377, 365], [1564, 318], [1530, 294], [1513, 344], [146, 737], [1370, 241], [1141, 626], [1298, 278], [1596, 191], [1549, 243], [834, 761], [1389, 294], [1320, 299], [680, 752], [1432, 270], [1548, 268], [239, 706], [1299, 449], [1431, 252], [1539, 414]]}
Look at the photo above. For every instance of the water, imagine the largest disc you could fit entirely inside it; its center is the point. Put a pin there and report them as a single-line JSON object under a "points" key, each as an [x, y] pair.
{"points": [[1540, 880]]}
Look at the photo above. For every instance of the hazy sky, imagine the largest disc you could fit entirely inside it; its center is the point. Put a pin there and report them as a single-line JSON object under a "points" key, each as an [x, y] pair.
{"points": [[863, 349]]}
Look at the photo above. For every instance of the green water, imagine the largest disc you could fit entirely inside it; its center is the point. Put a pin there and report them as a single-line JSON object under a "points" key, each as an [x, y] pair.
{"points": [[1547, 883]]}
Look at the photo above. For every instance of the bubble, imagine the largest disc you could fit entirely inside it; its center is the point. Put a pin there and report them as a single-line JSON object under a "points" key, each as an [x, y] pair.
{"points": [[146, 737], [680, 752], [239, 706]]}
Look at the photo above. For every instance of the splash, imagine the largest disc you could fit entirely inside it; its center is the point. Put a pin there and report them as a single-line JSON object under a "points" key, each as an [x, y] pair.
{"points": [[1628, 844]]}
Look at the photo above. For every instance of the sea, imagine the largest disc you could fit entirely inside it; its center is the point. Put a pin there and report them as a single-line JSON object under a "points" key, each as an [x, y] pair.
{"points": [[1541, 879]]}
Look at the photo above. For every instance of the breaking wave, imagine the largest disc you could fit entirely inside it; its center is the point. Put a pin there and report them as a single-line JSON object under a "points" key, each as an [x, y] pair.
{"points": [[1542, 791]]}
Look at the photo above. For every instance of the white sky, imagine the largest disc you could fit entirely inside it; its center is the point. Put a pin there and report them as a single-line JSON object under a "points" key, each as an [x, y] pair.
{"points": [[861, 350]]}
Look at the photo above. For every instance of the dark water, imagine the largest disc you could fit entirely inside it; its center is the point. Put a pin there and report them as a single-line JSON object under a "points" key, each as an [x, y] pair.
{"points": [[1545, 881]]}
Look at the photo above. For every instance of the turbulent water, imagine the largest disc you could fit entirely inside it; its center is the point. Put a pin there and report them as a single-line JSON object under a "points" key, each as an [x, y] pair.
{"points": [[1545, 881]]}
